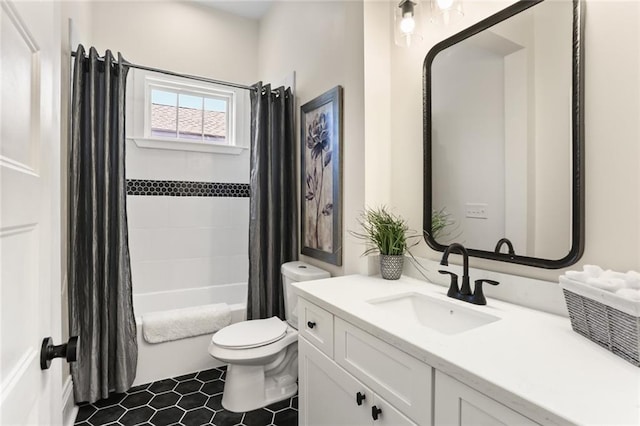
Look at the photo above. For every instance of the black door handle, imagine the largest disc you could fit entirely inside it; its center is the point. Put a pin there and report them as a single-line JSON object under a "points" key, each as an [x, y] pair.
{"points": [[375, 411], [311, 324], [360, 397], [49, 351]]}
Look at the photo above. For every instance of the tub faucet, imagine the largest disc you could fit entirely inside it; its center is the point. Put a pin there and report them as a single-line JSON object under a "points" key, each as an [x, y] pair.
{"points": [[506, 241], [464, 292]]}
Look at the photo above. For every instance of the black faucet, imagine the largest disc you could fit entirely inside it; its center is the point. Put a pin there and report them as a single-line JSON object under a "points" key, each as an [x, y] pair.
{"points": [[506, 241], [465, 289], [464, 292]]}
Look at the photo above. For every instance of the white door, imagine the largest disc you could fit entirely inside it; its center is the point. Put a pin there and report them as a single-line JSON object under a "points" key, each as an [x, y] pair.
{"points": [[29, 210]]}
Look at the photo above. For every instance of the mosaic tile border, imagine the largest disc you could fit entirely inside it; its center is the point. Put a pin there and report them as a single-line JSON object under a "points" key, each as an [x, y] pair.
{"points": [[180, 188]]}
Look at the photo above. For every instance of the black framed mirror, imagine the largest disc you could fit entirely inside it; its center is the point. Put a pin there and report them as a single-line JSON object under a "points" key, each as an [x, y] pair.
{"points": [[504, 136]]}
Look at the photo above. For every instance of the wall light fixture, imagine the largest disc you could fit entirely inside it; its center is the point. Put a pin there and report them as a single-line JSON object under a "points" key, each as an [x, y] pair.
{"points": [[408, 23]]}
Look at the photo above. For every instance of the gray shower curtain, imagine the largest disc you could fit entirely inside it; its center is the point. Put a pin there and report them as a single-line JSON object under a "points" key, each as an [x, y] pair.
{"points": [[273, 229], [99, 274]]}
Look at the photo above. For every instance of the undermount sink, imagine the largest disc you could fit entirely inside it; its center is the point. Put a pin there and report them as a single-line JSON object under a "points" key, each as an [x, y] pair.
{"points": [[438, 315]]}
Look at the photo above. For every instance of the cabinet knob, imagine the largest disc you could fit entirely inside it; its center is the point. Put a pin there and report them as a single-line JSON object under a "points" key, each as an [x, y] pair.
{"points": [[360, 397], [375, 411], [311, 324]]}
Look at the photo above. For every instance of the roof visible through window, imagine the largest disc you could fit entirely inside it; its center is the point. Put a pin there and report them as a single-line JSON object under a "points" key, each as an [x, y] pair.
{"points": [[187, 116]]}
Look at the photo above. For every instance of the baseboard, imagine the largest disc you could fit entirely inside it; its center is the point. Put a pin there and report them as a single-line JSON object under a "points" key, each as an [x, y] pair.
{"points": [[69, 408]]}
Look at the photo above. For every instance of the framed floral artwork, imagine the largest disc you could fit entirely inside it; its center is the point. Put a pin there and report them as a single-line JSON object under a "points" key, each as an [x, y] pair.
{"points": [[321, 171]]}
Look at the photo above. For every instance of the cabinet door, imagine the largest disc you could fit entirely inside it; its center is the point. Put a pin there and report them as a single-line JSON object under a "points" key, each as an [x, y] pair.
{"points": [[396, 376], [327, 393], [388, 415], [458, 404]]}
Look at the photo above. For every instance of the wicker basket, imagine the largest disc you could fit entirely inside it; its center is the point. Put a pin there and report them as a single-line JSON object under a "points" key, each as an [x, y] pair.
{"points": [[609, 320]]}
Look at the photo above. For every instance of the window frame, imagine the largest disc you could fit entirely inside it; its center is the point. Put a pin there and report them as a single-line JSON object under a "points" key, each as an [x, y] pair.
{"points": [[227, 96], [238, 108]]}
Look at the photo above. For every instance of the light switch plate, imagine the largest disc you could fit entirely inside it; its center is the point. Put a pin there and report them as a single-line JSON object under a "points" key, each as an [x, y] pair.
{"points": [[477, 210]]}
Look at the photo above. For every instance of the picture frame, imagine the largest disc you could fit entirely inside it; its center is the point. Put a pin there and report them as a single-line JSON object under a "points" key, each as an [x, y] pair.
{"points": [[321, 177]]}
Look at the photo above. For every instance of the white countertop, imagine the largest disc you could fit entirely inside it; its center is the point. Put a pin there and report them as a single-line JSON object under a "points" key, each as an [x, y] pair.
{"points": [[529, 360]]}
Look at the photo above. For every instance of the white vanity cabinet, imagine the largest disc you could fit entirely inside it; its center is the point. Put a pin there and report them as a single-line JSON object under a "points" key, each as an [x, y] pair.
{"points": [[346, 375], [365, 382], [526, 368], [458, 404]]}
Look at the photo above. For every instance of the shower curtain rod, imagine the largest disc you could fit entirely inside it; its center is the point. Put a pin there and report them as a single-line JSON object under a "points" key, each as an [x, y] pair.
{"points": [[189, 76]]}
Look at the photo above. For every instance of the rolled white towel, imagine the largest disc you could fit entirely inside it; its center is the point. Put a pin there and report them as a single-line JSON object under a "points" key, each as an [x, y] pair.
{"points": [[617, 283], [177, 324], [629, 293], [609, 285], [578, 276], [633, 280], [609, 274], [593, 271]]}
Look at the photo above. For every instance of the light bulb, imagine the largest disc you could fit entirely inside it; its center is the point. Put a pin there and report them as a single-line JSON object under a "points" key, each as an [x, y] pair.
{"points": [[444, 4], [408, 24]]}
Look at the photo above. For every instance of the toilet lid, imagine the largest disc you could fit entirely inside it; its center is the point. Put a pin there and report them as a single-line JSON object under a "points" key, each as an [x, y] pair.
{"points": [[250, 334]]}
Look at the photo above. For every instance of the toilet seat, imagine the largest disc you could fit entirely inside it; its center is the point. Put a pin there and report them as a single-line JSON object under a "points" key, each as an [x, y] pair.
{"points": [[250, 334]]}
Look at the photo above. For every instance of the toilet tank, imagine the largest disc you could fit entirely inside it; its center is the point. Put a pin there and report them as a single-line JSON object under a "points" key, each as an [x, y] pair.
{"points": [[293, 272]]}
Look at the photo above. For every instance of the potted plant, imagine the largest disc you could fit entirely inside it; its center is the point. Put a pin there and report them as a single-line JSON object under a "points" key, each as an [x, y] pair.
{"points": [[389, 235]]}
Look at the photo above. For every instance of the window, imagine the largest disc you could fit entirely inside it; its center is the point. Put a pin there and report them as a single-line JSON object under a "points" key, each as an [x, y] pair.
{"points": [[189, 116], [180, 114]]}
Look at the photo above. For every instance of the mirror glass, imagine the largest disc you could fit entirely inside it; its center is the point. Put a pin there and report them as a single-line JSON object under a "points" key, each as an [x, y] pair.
{"points": [[503, 139]]}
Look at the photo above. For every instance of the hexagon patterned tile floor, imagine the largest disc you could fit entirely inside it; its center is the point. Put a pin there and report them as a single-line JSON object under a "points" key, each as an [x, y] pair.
{"points": [[192, 399]]}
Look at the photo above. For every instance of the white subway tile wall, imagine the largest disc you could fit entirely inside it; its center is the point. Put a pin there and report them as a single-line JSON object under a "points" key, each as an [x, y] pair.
{"points": [[160, 164], [186, 242], [197, 234]]}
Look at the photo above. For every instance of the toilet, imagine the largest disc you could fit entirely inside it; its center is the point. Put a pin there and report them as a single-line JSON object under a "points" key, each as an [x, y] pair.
{"points": [[262, 355]]}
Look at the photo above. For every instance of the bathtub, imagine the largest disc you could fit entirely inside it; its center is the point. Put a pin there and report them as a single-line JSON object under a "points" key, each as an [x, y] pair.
{"points": [[158, 361]]}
